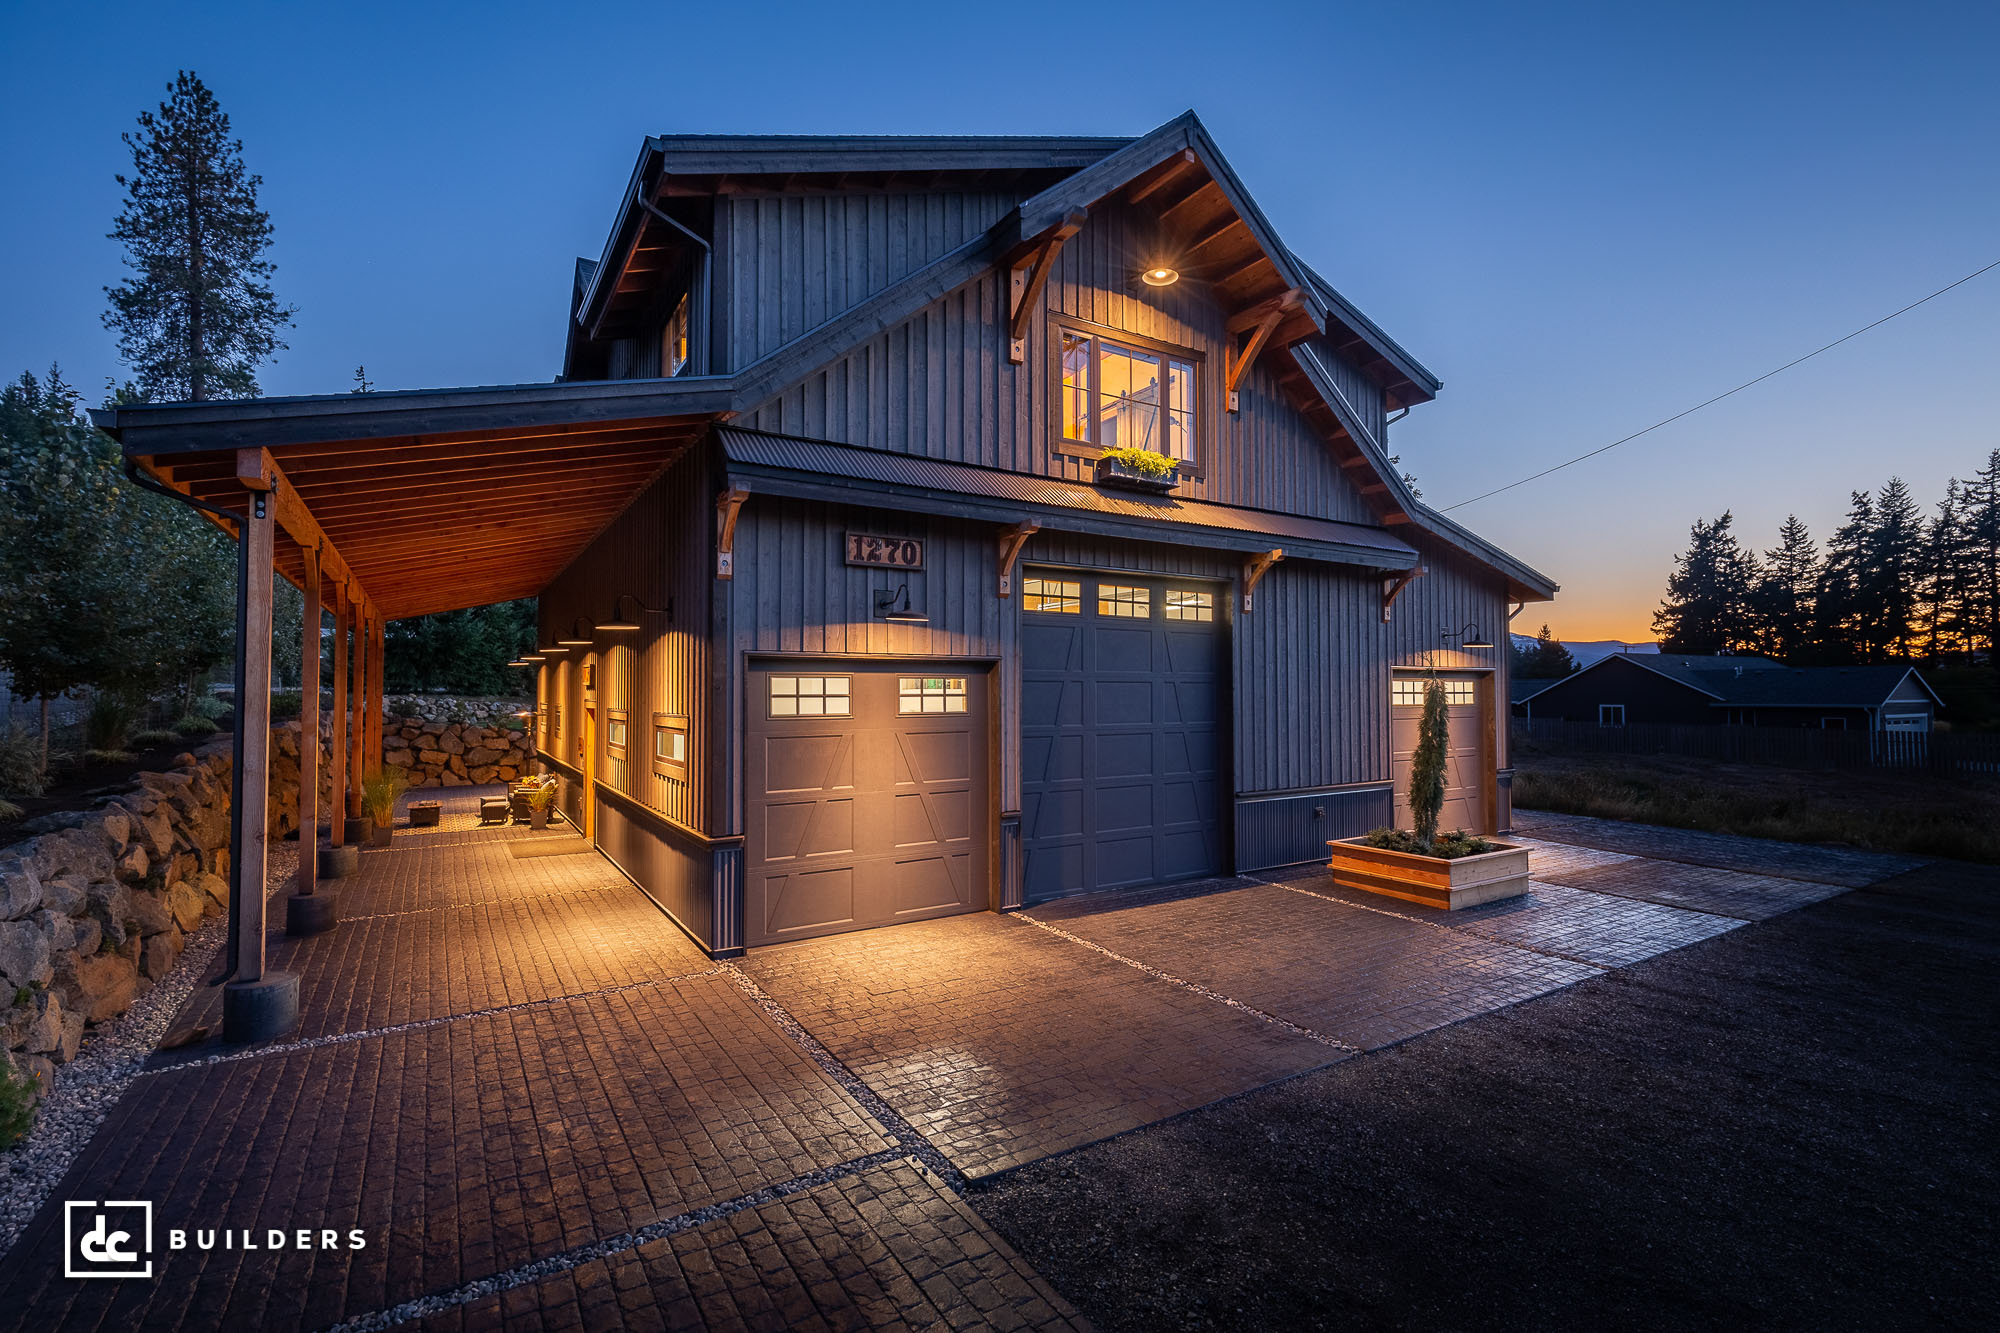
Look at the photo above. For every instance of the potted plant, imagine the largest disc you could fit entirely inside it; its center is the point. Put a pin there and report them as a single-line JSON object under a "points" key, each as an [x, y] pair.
{"points": [[541, 798], [1137, 469], [379, 792], [1418, 865]]}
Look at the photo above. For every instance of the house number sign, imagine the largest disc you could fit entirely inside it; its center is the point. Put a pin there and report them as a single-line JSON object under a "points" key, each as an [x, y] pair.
{"points": [[889, 552]]}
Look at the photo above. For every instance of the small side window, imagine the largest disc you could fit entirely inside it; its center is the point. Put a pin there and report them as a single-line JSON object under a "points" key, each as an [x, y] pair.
{"points": [[1611, 715], [670, 746], [615, 732]]}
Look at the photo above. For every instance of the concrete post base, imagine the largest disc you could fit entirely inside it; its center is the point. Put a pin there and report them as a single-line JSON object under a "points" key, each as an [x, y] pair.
{"points": [[353, 831], [260, 1010], [339, 862], [311, 916]]}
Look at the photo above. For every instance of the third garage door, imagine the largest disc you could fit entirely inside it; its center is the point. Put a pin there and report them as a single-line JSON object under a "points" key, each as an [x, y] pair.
{"points": [[1121, 744], [1469, 770]]}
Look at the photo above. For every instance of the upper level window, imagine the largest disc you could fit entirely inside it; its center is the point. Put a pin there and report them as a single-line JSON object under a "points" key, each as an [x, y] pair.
{"points": [[1124, 395], [674, 341]]}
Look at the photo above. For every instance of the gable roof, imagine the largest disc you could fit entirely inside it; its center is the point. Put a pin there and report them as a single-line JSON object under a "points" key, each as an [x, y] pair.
{"points": [[1822, 687]]}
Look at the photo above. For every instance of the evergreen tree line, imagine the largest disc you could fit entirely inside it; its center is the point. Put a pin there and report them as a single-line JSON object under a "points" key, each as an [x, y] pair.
{"points": [[1891, 584]]}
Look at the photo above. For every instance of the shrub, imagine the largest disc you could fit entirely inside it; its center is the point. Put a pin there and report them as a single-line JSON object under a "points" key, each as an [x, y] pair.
{"points": [[402, 708], [1450, 846], [1427, 764], [108, 756], [1143, 461], [17, 1104], [193, 725], [9, 812], [109, 721], [210, 707], [21, 764], [152, 739], [286, 703]]}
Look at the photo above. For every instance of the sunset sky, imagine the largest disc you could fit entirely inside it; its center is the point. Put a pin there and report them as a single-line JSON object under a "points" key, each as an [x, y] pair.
{"points": [[1582, 217]]}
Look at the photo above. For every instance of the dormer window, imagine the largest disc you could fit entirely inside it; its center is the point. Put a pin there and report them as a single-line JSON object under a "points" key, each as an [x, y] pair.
{"points": [[1119, 391], [674, 341]]}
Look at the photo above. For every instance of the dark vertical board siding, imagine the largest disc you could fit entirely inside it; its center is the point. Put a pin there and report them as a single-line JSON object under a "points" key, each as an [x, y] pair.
{"points": [[657, 550], [1456, 592], [940, 383], [797, 261]]}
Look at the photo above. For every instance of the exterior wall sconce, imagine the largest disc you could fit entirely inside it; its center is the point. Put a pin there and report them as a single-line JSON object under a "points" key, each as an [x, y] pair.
{"points": [[576, 638], [551, 650], [895, 605], [619, 625], [1160, 276], [1468, 636]]}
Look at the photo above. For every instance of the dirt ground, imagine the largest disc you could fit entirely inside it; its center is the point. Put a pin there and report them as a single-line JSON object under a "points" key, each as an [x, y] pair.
{"points": [[1790, 1126], [1884, 810]]}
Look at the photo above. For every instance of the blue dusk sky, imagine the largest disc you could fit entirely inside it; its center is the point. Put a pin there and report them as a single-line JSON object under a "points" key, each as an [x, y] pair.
{"points": [[1583, 217]]}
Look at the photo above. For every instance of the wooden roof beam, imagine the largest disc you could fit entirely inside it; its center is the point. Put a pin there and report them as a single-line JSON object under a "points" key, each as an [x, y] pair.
{"points": [[258, 471]]}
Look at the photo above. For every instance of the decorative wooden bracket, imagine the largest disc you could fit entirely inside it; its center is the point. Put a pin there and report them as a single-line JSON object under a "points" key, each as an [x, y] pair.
{"points": [[1011, 542], [1261, 321], [1026, 279], [727, 506], [1254, 570], [1392, 587]]}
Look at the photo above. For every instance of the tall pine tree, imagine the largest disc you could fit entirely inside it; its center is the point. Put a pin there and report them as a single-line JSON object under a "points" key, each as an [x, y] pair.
{"points": [[1980, 518], [198, 316], [1782, 599], [1707, 606], [1895, 551]]}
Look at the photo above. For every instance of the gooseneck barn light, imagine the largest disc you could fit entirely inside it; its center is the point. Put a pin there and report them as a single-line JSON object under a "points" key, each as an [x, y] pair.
{"points": [[1468, 636], [576, 638], [894, 604], [620, 625]]}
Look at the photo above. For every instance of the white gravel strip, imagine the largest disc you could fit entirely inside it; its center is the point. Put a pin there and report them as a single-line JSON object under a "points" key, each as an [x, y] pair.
{"points": [[425, 1306], [1194, 986], [111, 1057]]}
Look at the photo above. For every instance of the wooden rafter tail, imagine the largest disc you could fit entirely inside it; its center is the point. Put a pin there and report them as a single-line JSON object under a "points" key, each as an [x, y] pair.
{"points": [[1254, 570], [1011, 543], [1027, 278], [727, 506], [1392, 587]]}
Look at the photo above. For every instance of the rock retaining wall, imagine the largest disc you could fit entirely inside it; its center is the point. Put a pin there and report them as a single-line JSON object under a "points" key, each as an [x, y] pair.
{"points": [[96, 908], [454, 754]]}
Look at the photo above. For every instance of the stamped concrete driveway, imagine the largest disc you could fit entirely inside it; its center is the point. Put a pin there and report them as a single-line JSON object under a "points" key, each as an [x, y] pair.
{"points": [[546, 1109]]}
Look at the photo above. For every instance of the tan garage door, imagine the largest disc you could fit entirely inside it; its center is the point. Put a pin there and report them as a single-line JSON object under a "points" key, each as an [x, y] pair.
{"points": [[1469, 773], [868, 796]]}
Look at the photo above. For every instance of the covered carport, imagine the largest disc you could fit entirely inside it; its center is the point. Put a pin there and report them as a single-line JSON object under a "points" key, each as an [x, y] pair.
{"points": [[378, 507]]}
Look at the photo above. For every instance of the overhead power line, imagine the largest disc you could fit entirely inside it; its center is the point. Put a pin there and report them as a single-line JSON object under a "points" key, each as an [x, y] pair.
{"points": [[1668, 421]]}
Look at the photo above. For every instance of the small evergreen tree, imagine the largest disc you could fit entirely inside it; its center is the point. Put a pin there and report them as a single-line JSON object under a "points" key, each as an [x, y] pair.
{"points": [[1707, 606], [199, 315], [1546, 660], [1427, 764]]}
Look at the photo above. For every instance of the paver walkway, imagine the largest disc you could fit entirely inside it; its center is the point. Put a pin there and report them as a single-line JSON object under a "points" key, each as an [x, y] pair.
{"points": [[545, 1108]]}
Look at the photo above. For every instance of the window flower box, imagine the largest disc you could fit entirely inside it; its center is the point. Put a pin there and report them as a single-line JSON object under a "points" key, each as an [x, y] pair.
{"points": [[1434, 881], [1116, 472]]}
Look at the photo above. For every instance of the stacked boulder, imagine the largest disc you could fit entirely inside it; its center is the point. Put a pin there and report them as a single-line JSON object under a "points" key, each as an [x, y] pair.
{"points": [[454, 754], [97, 906]]}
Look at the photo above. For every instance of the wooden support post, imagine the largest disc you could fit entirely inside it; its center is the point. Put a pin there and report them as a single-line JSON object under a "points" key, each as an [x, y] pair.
{"points": [[356, 701], [337, 746], [1011, 542], [309, 647], [1254, 570], [727, 506], [375, 656], [253, 722], [1392, 588], [1026, 279]]}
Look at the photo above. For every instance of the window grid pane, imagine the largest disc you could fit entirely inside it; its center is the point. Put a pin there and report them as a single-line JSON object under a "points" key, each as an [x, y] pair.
{"points": [[1076, 358], [810, 696], [1186, 604], [930, 694], [1409, 691], [1062, 595], [1117, 599]]}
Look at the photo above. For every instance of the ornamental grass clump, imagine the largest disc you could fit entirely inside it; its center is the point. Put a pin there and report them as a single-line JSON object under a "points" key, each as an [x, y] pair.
{"points": [[17, 1104], [379, 792]]}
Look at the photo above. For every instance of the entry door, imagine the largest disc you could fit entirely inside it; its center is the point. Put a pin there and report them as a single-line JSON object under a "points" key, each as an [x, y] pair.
{"points": [[1469, 770], [1121, 688], [868, 796]]}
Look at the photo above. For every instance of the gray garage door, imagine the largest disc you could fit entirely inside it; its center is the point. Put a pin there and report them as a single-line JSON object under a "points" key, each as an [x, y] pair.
{"points": [[1121, 746], [868, 797], [1469, 772]]}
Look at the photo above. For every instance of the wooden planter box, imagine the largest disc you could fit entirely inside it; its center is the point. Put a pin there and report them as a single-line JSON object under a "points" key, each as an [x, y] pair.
{"points": [[1431, 880], [1110, 472], [424, 814]]}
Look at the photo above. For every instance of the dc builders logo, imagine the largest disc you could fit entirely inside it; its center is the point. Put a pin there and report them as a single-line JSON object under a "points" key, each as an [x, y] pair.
{"points": [[114, 1238]]}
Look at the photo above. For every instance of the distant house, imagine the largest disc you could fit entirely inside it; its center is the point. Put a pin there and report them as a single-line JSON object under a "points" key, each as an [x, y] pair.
{"points": [[1632, 689]]}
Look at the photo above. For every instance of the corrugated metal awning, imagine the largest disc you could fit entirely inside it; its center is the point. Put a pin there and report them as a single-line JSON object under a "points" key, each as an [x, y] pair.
{"points": [[820, 470]]}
